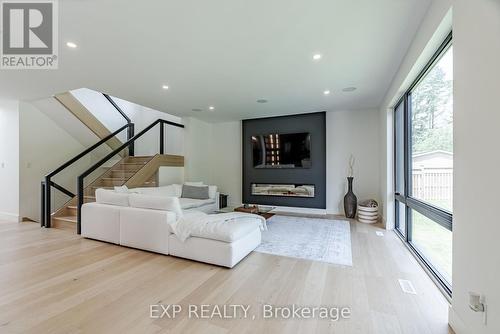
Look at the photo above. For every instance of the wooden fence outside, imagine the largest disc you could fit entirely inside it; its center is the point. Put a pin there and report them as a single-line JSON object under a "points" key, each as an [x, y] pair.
{"points": [[433, 184]]}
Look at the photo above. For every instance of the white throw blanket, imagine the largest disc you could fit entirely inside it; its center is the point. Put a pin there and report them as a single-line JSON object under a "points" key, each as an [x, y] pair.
{"points": [[201, 224]]}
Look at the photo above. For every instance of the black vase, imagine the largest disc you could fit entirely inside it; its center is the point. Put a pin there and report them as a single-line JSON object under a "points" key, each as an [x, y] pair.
{"points": [[350, 201]]}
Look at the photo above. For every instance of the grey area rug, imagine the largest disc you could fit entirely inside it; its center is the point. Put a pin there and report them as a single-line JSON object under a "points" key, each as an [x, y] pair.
{"points": [[314, 239]]}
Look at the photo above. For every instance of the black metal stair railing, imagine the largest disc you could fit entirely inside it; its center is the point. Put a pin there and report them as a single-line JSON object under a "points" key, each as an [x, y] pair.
{"points": [[130, 132], [48, 183], [129, 142]]}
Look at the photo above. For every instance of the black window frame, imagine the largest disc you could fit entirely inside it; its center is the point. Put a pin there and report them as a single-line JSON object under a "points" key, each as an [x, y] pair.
{"points": [[436, 214]]}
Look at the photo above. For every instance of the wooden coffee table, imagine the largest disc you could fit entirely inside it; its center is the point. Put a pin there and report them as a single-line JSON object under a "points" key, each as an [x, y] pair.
{"points": [[255, 210]]}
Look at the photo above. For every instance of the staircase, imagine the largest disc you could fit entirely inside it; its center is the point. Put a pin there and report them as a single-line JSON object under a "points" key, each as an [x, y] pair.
{"points": [[117, 175]]}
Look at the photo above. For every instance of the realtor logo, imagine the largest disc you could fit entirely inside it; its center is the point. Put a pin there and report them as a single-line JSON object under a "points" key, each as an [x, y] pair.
{"points": [[29, 34]]}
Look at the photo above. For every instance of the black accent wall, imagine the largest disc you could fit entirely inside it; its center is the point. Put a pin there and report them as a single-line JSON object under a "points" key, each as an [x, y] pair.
{"points": [[314, 123]]}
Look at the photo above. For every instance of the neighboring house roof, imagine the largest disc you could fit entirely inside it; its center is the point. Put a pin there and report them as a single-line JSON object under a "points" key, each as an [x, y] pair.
{"points": [[434, 159], [436, 152]]}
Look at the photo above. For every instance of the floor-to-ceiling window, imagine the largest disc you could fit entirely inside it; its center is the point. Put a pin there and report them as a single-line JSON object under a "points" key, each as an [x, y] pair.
{"points": [[423, 164]]}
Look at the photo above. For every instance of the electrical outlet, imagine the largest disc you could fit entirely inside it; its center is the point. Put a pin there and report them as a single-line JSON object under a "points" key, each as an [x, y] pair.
{"points": [[477, 303], [3, 165]]}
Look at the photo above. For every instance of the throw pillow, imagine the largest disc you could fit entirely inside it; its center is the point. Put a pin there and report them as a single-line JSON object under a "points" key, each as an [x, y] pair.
{"points": [[195, 192]]}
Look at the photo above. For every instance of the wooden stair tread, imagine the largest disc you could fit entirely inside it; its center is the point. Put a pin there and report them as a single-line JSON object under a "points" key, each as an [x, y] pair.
{"points": [[121, 173], [70, 219], [139, 158]]}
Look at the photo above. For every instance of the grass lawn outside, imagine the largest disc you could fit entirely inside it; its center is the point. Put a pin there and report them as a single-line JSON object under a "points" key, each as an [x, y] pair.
{"points": [[435, 243]]}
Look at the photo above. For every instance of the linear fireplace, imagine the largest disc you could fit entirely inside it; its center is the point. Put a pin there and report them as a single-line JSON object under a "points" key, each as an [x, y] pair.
{"points": [[288, 190]]}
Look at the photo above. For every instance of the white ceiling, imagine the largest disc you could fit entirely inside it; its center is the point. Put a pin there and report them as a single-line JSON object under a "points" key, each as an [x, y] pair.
{"points": [[228, 53]]}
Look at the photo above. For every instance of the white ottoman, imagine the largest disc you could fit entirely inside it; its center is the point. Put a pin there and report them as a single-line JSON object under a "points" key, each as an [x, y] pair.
{"points": [[219, 252]]}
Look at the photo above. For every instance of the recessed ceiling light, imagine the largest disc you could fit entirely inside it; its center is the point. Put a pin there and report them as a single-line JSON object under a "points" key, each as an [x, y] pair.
{"points": [[261, 101], [349, 89], [211, 108], [326, 92], [317, 56], [196, 109], [71, 45], [164, 87]]}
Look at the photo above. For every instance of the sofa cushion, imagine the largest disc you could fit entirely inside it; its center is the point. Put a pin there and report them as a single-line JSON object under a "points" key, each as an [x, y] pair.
{"points": [[201, 225], [232, 231], [121, 189], [195, 192], [212, 190], [190, 203], [172, 190], [101, 222], [145, 228], [105, 196], [163, 203]]}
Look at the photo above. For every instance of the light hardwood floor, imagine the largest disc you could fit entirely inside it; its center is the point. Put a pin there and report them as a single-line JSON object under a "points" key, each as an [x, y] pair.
{"points": [[52, 281]]}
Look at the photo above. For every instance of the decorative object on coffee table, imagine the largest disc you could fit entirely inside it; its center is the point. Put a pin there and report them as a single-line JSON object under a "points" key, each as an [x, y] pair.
{"points": [[350, 200], [368, 211], [255, 210], [247, 209]]}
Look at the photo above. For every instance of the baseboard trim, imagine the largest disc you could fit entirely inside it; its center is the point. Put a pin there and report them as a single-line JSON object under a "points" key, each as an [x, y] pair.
{"points": [[383, 221], [330, 211], [10, 217], [456, 323]]}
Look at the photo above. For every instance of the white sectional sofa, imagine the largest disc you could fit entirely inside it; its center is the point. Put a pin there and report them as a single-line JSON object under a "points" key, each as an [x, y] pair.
{"points": [[140, 221]]}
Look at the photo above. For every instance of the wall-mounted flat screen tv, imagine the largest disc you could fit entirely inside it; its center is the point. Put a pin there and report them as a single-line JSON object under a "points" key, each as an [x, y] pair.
{"points": [[289, 150]]}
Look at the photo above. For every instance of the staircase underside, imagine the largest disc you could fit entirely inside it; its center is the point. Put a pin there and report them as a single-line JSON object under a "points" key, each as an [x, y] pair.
{"points": [[73, 105], [138, 171]]}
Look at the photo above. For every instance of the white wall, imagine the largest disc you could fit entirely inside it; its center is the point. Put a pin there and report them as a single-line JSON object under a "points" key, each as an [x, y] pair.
{"points": [[433, 30], [227, 165], [476, 226], [9, 160], [58, 113], [356, 133], [198, 150], [170, 175], [43, 147], [213, 154]]}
